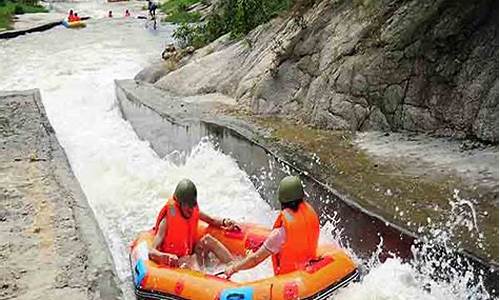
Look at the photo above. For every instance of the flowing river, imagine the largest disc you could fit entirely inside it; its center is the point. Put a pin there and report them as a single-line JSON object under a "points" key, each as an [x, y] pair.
{"points": [[125, 181]]}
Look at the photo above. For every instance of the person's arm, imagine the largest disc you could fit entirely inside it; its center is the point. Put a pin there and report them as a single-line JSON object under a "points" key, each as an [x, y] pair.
{"points": [[248, 262], [155, 254], [210, 221], [225, 223], [271, 245]]}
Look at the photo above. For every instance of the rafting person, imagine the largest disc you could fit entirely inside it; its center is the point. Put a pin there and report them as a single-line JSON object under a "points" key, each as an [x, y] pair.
{"points": [[176, 228], [71, 16], [76, 17], [294, 238], [127, 13]]}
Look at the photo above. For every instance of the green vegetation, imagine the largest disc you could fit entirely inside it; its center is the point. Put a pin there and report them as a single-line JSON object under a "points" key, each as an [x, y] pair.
{"points": [[237, 17], [190, 35], [184, 17], [9, 8], [176, 11]]}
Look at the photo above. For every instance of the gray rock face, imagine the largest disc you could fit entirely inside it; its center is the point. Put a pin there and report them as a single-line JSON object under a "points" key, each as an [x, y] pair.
{"points": [[417, 65], [152, 73], [486, 123]]}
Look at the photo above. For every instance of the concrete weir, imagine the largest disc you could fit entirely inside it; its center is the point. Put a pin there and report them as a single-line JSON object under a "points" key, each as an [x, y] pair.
{"points": [[15, 33], [50, 242], [174, 123]]}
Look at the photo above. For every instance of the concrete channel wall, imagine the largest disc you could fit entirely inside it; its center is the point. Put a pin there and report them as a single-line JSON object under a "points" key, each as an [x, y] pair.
{"points": [[169, 123], [15, 33], [50, 243]]}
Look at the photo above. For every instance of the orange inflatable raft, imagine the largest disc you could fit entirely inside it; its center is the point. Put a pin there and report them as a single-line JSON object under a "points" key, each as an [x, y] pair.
{"points": [[331, 270]]}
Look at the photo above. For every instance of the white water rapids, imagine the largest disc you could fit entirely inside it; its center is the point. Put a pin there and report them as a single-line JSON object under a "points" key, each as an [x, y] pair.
{"points": [[124, 180]]}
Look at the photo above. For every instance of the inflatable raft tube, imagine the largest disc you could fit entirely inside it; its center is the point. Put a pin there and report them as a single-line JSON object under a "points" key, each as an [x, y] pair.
{"points": [[75, 24], [331, 270]]}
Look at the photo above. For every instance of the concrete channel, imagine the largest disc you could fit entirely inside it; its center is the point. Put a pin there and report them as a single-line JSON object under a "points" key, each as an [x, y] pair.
{"points": [[15, 33], [170, 123]]}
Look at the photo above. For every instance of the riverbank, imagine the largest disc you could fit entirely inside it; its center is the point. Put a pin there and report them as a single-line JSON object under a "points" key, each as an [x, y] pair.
{"points": [[50, 243], [12, 10]]}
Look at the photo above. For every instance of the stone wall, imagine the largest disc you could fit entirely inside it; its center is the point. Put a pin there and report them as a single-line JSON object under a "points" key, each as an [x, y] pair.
{"points": [[415, 65]]}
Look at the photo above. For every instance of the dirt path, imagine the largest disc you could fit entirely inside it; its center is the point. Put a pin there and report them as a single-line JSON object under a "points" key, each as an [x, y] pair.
{"points": [[50, 245]]}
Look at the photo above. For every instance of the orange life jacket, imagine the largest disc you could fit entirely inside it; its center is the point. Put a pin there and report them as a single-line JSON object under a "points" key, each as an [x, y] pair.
{"points": [[302, 233], [181, 234], [71, 18]]}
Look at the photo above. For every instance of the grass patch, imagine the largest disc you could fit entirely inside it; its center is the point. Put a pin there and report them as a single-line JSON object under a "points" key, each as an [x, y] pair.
{"points": [[9, 8], [176, 11], [184, 17], [172, 5]]}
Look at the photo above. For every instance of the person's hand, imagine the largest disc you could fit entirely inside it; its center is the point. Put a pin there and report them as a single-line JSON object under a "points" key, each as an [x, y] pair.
{"points": [[229, 271], [230, 225], [163, 258], [187, 262], [170, 259]]}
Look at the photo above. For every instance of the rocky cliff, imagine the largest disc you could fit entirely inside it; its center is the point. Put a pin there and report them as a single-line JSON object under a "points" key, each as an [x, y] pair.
{"points": [[415, 65]]}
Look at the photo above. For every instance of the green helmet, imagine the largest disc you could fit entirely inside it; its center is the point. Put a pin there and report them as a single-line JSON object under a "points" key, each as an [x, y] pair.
{"points": [[185, 192], [290, 189]]}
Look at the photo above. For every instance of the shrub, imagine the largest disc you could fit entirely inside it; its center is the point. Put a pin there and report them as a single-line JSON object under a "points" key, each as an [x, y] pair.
{"points": [[18, 10], [190, 35], [241, 16], [237, 17]]}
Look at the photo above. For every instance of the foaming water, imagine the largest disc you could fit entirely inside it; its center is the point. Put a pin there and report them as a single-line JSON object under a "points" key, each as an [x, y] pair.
{"points": [[99, 9], [435, 272], [126, 182]]}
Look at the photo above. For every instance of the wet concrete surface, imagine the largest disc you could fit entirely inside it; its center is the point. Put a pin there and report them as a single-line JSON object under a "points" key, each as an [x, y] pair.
{"points": [[477, 163], [169, 123], [50, 243]]}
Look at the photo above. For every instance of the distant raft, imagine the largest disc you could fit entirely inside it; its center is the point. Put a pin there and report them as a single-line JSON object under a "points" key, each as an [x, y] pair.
{"points": [[74, 24], [332, 269]]}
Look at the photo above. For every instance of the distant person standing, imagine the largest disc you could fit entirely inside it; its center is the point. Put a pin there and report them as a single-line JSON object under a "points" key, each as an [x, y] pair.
{"points": [[152, 13], [152, 8], [110, 14]]}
